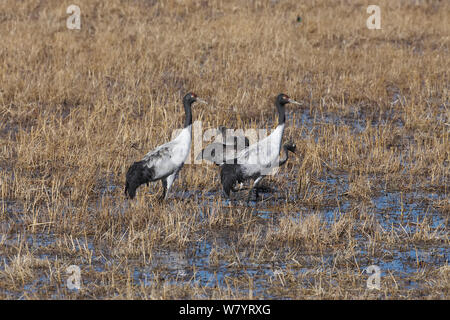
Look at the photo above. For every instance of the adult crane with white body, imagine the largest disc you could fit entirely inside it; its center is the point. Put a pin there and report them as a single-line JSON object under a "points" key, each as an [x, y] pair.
{"points": [[259, 159], [164, 162]]}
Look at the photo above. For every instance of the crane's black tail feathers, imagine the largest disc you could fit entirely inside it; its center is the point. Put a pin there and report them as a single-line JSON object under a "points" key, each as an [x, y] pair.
{"points": [[137, 174], [229, 175]]}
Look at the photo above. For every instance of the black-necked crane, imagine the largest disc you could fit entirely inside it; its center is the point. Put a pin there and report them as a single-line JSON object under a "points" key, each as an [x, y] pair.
{"points": [[259, 159], [230, 137], [287, 147], [226, 146], [164, 162]]}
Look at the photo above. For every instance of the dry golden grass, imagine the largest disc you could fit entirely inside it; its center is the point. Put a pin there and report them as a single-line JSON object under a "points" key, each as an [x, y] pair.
{"points": [[369, 185]]}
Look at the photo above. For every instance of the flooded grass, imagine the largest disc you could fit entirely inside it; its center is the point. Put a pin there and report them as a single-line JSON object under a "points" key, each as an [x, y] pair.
{"points": [[271, 249], [368, 185]]}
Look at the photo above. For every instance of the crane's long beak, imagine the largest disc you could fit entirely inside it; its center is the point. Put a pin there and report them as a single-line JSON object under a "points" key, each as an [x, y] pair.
{"points": [[294, 102], [201, 101]]}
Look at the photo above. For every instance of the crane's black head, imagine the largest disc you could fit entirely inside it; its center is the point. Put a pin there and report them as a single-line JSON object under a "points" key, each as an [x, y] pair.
{"points": [[283, 99], [191, 98], [290, 146]]}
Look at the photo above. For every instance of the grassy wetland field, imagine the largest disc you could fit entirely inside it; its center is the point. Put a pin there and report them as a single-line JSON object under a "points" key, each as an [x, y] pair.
{"points": [[369, 184]]}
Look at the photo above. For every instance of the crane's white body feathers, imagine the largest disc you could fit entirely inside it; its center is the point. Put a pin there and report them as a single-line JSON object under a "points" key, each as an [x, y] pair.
{"points": [[168, 158], [262, 155]]}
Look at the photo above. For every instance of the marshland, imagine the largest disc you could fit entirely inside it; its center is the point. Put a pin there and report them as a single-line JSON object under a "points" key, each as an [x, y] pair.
{"points": [[368, 185]]}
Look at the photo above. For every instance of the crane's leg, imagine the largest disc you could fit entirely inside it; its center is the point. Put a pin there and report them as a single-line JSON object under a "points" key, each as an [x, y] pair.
{"points": [[255, 185], [169, 181]]}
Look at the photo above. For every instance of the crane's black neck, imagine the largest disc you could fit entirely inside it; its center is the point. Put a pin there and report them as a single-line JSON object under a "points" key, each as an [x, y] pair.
{"points": [[281, 112], [285, 157], [188, 112]]}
